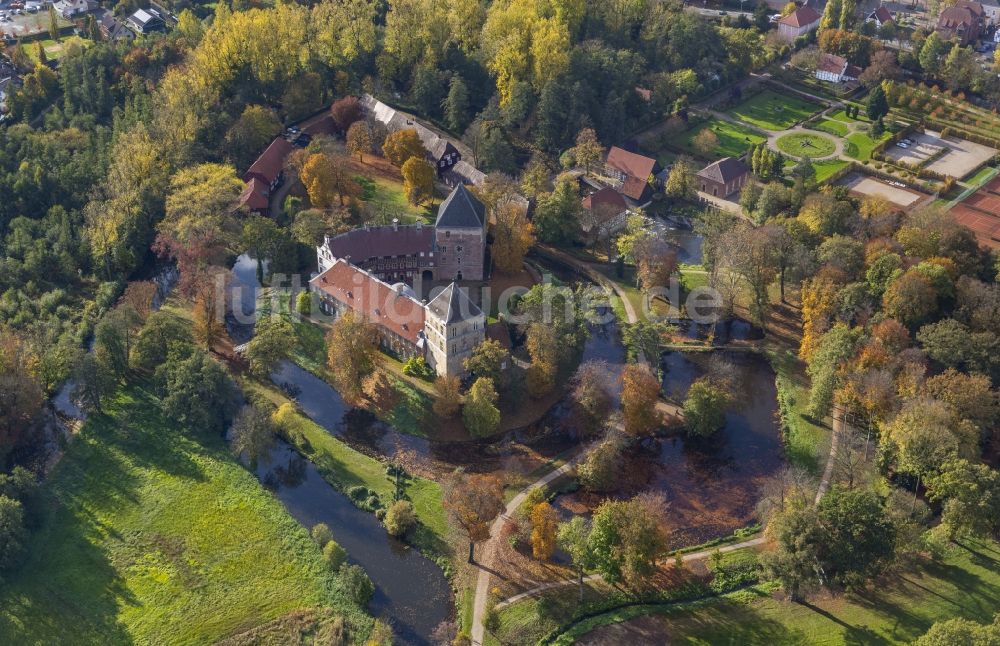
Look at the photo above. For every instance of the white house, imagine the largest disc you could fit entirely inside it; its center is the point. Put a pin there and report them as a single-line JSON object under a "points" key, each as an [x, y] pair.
{"points": [[880, 16], [70, 8], [835, 69]]}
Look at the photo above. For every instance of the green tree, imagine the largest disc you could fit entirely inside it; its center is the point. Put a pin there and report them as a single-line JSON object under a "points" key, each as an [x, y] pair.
{"points": [[705, 408], [13, 535], [574, 539], [252, 132], [588, 149], [969, 494], [269, 345], [53, 23], [93, 380], [681, 184], [334, 555], [162, 330], [953, 632], [834, 348], [253, 435], [197, 392], [487, 360], [931, 53], [600, 470], [262, 239], [860, 537], [480, 412], [456, 105], [356, 584], [876, 106], [400, 518], [627, 538], [557, 216]]}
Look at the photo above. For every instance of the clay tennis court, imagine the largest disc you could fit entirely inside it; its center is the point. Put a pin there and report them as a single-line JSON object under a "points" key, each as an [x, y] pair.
{"points": [[898, 195]]}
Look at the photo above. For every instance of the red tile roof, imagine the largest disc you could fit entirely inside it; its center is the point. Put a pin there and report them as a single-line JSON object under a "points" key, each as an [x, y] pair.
{"points": [[607, 196], [801, 17], [254, 195], [269, 165], [831, 63], [375, 300], [632, 164], [883, 15]]}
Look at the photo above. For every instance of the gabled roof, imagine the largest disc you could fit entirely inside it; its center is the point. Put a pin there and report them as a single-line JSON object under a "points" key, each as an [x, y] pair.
{"points": [[271, 162], [607, 196], [461, 210], [633, 164], [396, 120], [975, 8], [724, 171], [831, 63], [954, 17], [881, 14], [361, 245], [254, 195], [375, 300], [801, 17], [453, 305]]}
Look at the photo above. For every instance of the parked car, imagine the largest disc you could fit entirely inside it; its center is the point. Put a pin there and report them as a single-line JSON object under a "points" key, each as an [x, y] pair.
{"points": [[903, 144]]}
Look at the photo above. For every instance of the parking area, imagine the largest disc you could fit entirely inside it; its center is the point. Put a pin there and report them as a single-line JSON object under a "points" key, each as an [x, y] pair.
{"points": [[34, 18], [901, 196], [960, 157]]}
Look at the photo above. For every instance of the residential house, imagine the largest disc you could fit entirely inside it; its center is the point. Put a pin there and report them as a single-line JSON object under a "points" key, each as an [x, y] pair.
{"points": [[964, 22], [881, 16], [442, 153], [836, 69], [605, 213], [255, 197], [632, 174], [112, 29], [723, 178], [145, 21], [71, 8], [270, 166], [798, 23]]}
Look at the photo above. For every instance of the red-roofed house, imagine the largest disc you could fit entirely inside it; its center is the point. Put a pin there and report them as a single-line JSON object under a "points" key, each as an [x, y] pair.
{"points": [[880, 16], [270, 166], [798, 23], [255, 197], [632, 173], [723, 178], [835, 69], [606, 210], [963, 22]]}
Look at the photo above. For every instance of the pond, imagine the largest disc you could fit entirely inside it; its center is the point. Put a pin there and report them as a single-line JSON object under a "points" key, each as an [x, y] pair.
{"points": [[712, 486], [410, 590]]}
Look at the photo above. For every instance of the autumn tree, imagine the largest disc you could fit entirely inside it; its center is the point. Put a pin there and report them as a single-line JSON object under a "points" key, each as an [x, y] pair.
{"points": [[925, 434], [681, 182], [910, 298], [139, 296], [480, 412], [600, 469], [199, 229], [591, 395], [472, 502], [345, 112], [488, 360], [544, 525], [359, 140], [418, 180], [352, 354], [627, 538], [543, 350], [325, 177], [21, 393], [252, 132], [655, 262], [513, 235], [588, 150], [209, 326], [640, 392], [448, 396], [401, 145], [705, 408], [705, 142]]}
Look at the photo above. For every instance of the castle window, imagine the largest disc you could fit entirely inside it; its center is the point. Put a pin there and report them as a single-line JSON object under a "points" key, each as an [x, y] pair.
{"points": [[447, 234], [458, 248]]}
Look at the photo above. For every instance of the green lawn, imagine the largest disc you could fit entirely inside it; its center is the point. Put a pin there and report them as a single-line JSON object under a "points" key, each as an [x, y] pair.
{"points": [[345, 467], [832, 126], [825, 169], [859, 145], [841, 115], [980, 176], [152, 536], [734, 139], [390, 194], [53, 50], [773, 111], [801, 144], [966, 583], [804, 440]]}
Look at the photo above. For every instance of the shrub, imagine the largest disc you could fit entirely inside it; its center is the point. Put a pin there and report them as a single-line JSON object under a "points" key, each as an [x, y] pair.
{"points": [[417, 367], [334, 555], [400, 518], [321, 534], [356, 584], [303, 303]]}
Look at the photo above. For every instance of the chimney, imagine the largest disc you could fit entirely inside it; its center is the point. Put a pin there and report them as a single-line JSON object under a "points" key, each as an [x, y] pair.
{"points": [[395, 224]]}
